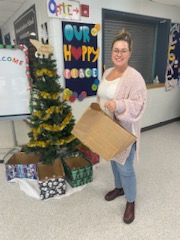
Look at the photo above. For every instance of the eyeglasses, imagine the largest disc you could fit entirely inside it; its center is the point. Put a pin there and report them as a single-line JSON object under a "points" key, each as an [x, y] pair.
{"points": [[121, 51]]}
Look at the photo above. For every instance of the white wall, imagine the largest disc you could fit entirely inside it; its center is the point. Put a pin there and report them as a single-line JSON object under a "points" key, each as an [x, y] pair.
{"points": [[161, 105]]}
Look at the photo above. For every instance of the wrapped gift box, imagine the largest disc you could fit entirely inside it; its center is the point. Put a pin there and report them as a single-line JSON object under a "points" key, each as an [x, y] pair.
{"points": [[92, 156], [51, 179], [79, 182], [22, 165], [78, 169]]}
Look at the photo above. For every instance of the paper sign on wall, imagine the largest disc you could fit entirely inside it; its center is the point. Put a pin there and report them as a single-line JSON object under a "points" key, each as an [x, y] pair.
{"points": [[14, 81], [63, 9], [81, 52], [173, 63]]}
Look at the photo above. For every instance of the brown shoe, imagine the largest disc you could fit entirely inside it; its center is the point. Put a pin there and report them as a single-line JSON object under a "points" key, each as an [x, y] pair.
{"points": [[114, 194], [129, 212]]}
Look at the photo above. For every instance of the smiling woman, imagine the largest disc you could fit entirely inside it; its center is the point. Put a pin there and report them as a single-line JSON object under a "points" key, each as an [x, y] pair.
{"points": [[122, 94]]}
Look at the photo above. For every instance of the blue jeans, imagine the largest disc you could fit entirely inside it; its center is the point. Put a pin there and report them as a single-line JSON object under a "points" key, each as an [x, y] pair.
{"points": [[124, 175]]}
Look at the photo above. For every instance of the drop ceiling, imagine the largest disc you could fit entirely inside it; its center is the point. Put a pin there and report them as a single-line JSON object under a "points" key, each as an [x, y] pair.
{"points": [[9, 7]]}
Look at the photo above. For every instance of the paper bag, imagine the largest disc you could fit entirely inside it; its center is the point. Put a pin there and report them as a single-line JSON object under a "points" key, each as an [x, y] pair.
{"points": [[101, 134]]}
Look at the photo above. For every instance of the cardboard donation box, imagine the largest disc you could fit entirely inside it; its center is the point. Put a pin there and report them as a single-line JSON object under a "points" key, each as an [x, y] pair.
{"points": [[22, 165], [101, 134], [78, 169], [51, 179], [92, 156]]}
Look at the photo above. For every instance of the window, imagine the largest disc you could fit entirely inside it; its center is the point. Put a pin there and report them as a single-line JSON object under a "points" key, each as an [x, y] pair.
{"points": [[150, 41]]}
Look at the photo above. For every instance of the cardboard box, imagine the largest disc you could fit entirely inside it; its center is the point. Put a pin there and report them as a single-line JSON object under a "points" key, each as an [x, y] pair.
{"points": [[22, 165], [51, 179], [92, 156], [78, 169], [101, 134]]}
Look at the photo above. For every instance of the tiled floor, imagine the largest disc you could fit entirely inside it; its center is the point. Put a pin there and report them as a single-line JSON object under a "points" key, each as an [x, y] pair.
{"points": [[85, 215]]}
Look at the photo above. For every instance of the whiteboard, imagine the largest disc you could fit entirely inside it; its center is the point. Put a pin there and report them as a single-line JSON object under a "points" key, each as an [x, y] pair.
{"points": [[14, 82]]}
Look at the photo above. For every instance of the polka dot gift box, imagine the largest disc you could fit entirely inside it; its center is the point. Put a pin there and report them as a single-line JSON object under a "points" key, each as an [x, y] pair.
{"points": [[51, 179]]}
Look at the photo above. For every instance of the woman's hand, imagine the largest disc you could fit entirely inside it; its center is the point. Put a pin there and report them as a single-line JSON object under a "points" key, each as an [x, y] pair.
{"points": [[111, 105]]}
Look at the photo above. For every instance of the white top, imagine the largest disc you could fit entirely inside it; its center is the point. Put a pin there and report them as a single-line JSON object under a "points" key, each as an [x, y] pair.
{"points": [[106, 91]]}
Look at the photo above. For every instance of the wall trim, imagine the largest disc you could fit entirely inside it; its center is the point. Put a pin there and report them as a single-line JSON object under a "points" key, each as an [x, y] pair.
{"points": [[160, 124]]}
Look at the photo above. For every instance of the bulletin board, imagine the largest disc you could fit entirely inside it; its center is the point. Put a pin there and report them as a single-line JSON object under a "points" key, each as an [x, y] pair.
{"points": [[14, 81], [81, 52], [173, 63]]}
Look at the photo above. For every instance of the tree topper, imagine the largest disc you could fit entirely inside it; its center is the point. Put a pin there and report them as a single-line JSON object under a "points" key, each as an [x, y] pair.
{"points": [[42, 49]]}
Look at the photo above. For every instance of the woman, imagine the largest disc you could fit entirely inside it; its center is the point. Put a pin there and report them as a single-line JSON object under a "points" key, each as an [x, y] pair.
{"points": [[122, 94]]}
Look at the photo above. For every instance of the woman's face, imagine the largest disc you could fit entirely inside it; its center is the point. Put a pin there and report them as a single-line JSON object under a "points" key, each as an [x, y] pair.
{"points": [[120, 53]]}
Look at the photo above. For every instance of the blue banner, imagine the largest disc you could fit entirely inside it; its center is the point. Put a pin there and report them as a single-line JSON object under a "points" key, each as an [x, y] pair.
{"points": [[173, 65]]}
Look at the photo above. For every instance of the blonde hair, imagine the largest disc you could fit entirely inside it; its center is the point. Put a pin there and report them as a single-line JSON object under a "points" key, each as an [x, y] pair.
{"points": [[124, 36]]}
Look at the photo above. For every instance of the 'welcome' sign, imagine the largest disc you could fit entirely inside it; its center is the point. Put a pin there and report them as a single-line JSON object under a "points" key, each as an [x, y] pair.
{"points": [[14, 81]]}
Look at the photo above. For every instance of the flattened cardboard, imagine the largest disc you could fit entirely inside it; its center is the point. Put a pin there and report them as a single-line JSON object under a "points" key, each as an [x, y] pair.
{"points": [[101, 134]]}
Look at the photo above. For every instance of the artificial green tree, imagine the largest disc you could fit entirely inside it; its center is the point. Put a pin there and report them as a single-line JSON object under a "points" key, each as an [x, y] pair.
{"points": [[51, 120]]}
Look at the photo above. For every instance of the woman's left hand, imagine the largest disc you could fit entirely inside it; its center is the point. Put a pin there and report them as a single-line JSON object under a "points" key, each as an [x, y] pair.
{"points": [[110, 105]]}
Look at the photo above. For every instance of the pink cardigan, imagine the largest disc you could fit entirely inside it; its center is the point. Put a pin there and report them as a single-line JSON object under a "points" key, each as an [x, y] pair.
{"points": [[131, 98]]}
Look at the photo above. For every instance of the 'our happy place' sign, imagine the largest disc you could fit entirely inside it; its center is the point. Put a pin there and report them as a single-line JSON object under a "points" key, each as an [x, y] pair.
{"points": [[80, 53]]}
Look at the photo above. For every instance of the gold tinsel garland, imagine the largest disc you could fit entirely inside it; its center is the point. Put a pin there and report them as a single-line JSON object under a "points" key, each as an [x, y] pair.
{"points": [[54, 128], [44, 144], [46, 95], [49, 73], [48, 112], [67, 140]]}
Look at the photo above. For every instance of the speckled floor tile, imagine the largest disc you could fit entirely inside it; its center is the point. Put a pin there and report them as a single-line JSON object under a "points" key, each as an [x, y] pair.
{"points": [[85, 215]]}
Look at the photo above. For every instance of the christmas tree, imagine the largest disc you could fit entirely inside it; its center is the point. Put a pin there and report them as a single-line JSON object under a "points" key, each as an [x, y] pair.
{"points": [[51, 120]]}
